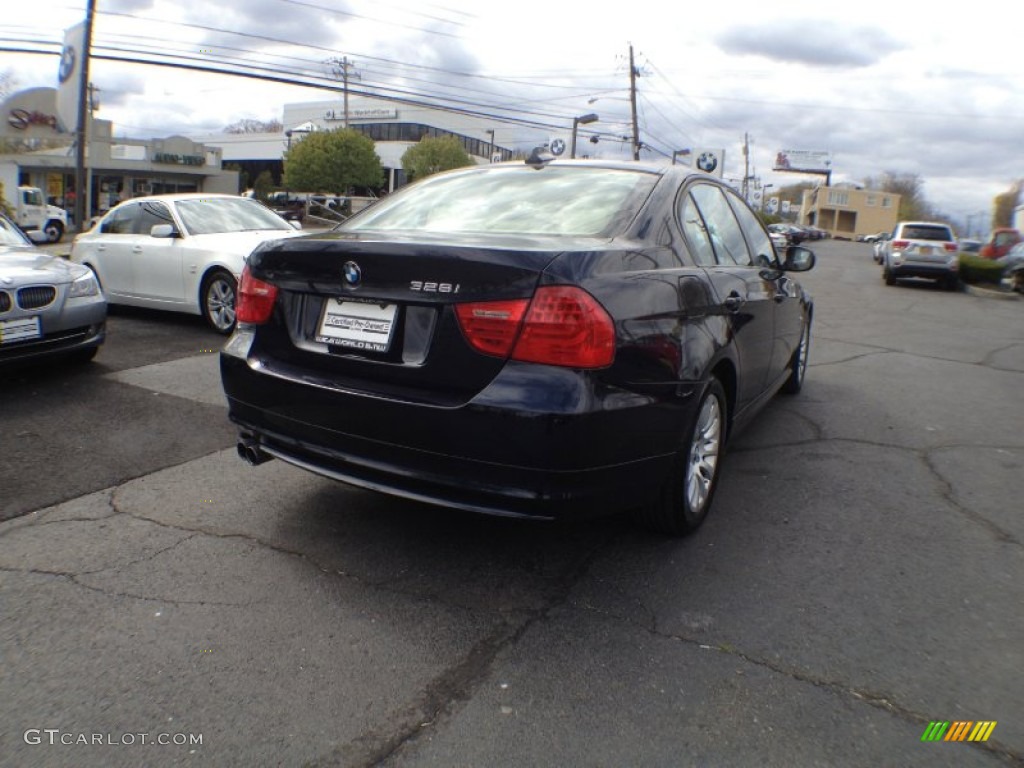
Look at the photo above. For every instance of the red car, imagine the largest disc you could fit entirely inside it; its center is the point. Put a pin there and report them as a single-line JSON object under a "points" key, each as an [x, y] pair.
{"points": [[1000, 243]]}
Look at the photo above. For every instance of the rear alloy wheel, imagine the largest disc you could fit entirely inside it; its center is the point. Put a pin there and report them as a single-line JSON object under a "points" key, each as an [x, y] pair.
{"points": [[798, 363], [217, 300], [686, 499]]}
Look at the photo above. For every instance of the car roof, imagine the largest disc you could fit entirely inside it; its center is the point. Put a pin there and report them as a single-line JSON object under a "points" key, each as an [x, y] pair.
{"points": [[175, 196]]}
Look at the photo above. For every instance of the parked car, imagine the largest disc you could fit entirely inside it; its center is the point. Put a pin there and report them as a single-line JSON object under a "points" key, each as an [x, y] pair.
{"points": [[969, 246], [873, 238], [878, 246], [48, 306], [922, 249], [793, 234], [544, 340], [1013, 268], [1000, 243], [181, 252]]}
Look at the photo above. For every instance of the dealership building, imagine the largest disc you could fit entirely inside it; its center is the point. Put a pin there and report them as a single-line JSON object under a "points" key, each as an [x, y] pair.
{"points": [[117, 168], [393, 126]]}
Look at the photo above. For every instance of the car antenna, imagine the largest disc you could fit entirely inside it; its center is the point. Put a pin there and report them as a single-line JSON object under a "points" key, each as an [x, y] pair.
{"points": [[539, 158]]}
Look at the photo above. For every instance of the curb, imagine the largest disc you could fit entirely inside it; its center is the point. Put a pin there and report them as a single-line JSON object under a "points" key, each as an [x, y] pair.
{"points": [[990, 293]]}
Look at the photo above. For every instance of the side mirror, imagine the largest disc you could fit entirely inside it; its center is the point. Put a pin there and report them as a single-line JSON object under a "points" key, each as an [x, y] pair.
{"points": [[163, 230], [798, 259]]}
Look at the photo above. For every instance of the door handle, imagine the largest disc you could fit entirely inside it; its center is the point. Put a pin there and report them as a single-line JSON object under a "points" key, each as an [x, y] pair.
{"points": [[733, 302]]}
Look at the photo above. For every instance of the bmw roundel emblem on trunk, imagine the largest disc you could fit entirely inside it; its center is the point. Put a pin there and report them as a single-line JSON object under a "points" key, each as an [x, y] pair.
{"points": [[353, 274]]}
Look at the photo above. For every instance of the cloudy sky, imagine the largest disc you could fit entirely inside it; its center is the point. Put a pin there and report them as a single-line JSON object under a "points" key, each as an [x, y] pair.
{"points": [[891, 87]]}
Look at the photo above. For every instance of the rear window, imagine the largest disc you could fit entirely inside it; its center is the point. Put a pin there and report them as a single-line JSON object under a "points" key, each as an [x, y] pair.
{"points": [[926, 232], [570, 200]]}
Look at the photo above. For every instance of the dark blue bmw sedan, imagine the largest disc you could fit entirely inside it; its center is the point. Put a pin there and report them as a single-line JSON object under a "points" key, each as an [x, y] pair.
{"points": [[543, 339]]}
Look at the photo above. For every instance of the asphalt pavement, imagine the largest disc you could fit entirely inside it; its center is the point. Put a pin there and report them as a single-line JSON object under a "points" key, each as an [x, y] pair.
{"points": [[861, 576]]}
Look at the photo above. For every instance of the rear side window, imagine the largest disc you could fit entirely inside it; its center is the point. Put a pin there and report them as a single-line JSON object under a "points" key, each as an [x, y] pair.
{"points": [[722, 228], [926, 232]]}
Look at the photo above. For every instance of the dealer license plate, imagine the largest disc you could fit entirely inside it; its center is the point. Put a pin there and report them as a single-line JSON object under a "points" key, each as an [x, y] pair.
{"points": [[22, 329], [357, 324]]}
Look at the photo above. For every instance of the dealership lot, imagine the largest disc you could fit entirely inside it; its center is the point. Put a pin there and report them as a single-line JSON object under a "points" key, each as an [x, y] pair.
{"points": [[860, 576]]}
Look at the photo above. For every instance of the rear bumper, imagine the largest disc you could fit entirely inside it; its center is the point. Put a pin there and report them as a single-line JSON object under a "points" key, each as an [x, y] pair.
{"points": [[582, 454], [929, 270]]}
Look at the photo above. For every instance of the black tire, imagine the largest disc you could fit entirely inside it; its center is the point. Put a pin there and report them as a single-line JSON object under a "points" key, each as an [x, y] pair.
{"points": [[888, 276], [217, 301], [798, 363], [83, 356], [952, 283], [686, 498], [54, 231]]}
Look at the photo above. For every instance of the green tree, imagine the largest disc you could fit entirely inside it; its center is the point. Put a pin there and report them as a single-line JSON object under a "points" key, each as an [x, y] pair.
{"points": [[1004, 204], [433, 155], [263, 185], [332, 162]]}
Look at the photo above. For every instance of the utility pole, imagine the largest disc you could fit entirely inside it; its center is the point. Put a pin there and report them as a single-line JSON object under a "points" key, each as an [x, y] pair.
{"points": [[632, 101], [746, 165], [82, 194], [94, 103], [340, 67]]}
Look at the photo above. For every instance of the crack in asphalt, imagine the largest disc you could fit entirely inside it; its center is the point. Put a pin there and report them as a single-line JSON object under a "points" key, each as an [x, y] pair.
{"points": [[877, 349], [924, 456], [878, 700], [74, 577], [440, 698]]}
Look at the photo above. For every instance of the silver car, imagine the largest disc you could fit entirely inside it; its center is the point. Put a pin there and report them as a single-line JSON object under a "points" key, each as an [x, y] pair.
{"points": [[922, 249], [48, 306], [182, 252]]}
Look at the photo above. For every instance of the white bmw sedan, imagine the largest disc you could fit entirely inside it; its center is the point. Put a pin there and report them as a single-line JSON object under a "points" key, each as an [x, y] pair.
{"points": [[183, 252]]}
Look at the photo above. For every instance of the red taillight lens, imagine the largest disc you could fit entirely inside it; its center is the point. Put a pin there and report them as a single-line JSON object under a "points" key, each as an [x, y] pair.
{"points": [[899, 245], [563, 325], [491, 327], [255, 300], [951, 247]]}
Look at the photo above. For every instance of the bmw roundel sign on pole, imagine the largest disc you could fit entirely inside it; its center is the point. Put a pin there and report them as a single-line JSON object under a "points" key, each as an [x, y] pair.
{"points": [[69, 84], [557, 146], [710, 161]]}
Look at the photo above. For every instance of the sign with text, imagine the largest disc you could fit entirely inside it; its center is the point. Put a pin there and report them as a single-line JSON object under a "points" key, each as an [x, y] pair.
{"points": [[803, 160]]}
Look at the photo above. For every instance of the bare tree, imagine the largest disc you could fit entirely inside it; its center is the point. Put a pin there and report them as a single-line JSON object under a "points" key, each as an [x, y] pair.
{"points": [[251, 125]]}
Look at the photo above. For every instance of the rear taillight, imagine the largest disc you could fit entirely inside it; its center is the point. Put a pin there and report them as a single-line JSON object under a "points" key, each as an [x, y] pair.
{"points": [[563, 325], [951, 247], [491, 327], [899, 245], [255, 299]]}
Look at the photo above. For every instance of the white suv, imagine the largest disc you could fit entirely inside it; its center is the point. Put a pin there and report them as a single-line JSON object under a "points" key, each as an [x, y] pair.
{"points": [[922, 249]]}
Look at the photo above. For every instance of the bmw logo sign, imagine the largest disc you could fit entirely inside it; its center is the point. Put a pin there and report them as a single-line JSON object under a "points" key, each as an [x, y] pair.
{"points": [[707, 162], [558, 146], [67, 63], [353, 274]]}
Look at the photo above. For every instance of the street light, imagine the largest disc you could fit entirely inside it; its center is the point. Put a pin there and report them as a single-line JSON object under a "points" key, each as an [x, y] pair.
{"points": [[764, 194], [576, 123], [679, 153]]}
